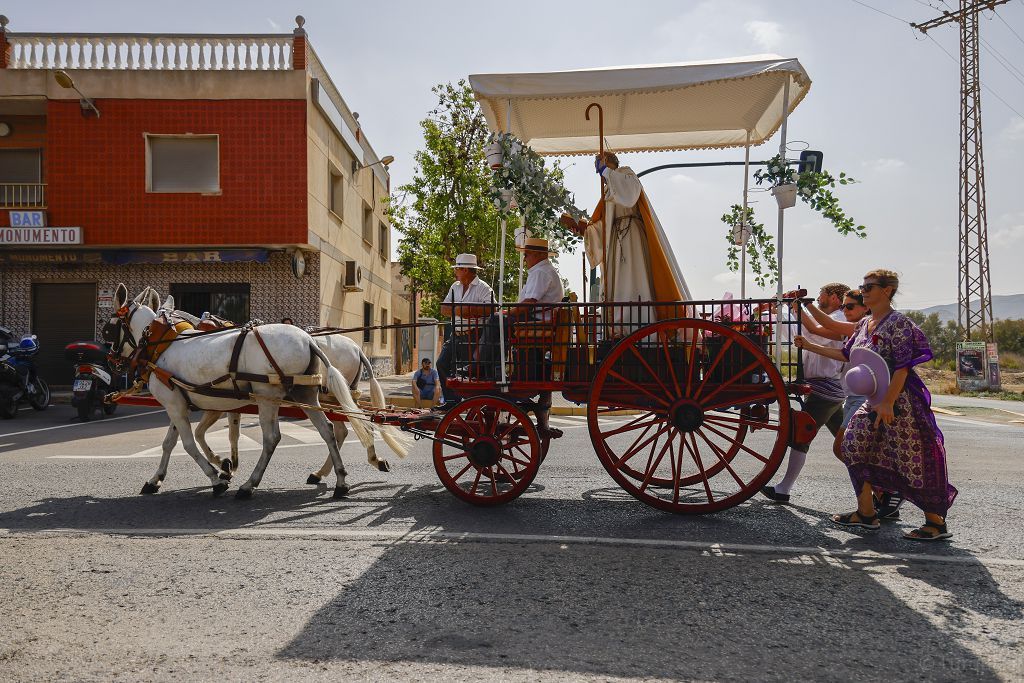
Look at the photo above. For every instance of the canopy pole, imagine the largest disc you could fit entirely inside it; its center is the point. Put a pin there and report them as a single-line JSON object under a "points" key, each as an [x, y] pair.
{"points": [[778, 290], [501, 273], [744, 221], [606, 231]]}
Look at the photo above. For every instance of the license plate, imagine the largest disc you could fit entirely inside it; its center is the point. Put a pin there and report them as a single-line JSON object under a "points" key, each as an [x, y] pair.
{"points": [[81, 385]]}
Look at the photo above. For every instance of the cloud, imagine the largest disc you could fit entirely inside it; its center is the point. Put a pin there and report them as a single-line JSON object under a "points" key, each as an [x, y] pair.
{"points": [[682, 179], [1007, 236], [884, 165], [727, 278], [767, 35], [1014, 132], [274, 25]]}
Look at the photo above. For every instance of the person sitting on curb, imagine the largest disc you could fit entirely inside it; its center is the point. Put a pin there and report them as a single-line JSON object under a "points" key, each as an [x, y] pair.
{"points": [[424, 386]]}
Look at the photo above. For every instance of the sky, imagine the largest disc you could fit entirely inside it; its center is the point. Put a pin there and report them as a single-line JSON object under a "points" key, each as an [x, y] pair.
{"points": [[883, 107]]}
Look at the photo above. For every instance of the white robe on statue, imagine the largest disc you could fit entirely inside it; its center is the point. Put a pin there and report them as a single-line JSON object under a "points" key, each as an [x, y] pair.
{"points": [[619, 244]]}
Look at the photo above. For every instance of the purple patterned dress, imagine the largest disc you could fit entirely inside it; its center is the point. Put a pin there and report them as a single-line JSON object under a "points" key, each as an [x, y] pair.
{"points": [[908, 455]]}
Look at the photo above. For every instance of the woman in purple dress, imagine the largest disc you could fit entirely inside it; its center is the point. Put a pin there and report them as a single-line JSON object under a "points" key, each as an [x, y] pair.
{"points": [[894, 445]]}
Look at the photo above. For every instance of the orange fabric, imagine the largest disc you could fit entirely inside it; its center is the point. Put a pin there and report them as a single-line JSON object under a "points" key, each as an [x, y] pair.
{"points": [[663, 285]]}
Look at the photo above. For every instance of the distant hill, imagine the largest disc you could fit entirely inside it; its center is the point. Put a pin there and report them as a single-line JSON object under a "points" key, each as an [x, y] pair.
{"points": [[1004, 307]]}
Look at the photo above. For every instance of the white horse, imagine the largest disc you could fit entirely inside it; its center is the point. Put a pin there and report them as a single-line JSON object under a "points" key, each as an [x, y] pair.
{"points": [[198, 360], [345, 355]]}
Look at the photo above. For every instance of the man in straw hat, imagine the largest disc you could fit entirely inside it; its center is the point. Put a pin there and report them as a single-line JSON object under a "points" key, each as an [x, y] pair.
{"points": [[468, 299]]}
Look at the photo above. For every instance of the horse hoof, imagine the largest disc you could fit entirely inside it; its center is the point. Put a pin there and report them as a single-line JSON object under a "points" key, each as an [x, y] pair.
{"points": [[224, 476], [383, 466], [340, 491], [220, 488], [225, 467], [313, 479], [149, 488], [243, 494]]}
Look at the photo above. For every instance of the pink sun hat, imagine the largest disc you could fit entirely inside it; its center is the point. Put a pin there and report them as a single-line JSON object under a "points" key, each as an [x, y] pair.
{"points": [[868, 375]]}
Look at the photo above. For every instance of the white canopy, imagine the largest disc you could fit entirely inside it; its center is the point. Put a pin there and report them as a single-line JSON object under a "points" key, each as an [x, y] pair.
{"points": [[689, 105]]}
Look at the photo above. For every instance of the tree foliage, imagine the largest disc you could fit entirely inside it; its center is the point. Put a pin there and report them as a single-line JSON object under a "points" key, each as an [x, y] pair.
{"points": [[448, 208]]}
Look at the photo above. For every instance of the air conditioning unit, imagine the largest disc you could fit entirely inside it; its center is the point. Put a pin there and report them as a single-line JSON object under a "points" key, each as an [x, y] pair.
{"points": [[353, 277]]}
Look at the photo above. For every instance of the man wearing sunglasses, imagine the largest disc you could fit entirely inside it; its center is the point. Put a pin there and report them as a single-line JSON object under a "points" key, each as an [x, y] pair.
{"points": [[825, 403]]}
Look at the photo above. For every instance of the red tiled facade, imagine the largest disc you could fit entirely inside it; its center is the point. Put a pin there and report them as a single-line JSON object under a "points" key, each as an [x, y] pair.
{"points": [[96, 173]]}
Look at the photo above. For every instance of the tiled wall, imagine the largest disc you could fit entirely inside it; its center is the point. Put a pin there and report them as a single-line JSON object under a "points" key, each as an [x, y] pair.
{"points": [[97, 173]]}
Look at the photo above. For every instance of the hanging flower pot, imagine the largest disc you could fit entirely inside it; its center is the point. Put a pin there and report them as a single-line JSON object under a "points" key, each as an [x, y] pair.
{"points": [[509, 198], [785, 195], [495, 155], [740, 234]]}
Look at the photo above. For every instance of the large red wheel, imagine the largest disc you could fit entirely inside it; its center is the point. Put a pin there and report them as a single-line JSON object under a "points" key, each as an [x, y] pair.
{"points": [[487, 451], [701, 437]]}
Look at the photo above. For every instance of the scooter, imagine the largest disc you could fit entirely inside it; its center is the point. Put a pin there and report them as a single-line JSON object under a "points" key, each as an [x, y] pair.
{"points": [[18, 378], [93, 378]]}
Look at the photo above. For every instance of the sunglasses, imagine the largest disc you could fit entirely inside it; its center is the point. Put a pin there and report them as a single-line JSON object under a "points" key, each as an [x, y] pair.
{"points": [[850, 307], [868, 286]]}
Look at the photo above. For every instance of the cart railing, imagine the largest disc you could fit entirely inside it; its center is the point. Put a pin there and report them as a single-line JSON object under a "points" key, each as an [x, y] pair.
{"points": [[563, 344]]}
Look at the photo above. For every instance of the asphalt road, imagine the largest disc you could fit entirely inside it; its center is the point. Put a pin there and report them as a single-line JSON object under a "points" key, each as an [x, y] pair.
{"points": [[573, 581]]}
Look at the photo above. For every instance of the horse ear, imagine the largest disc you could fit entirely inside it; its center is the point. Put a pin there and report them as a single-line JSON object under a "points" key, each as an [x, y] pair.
{"points": [[168, 304], [120, 295], [154, 299]]}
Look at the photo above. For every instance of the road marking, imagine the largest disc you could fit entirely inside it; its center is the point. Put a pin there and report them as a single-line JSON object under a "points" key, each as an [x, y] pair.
{"points": [[434, 535], [79, 424]]}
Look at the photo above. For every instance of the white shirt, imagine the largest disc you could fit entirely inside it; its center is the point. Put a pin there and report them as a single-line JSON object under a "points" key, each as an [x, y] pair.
{"points": [[544, 284], [477, 292], [820, 366]]}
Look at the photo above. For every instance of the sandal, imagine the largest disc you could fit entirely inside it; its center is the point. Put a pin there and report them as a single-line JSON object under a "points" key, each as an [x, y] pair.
{"points": [[855, 519], [925, 532], [550, 432], [888, 505]]}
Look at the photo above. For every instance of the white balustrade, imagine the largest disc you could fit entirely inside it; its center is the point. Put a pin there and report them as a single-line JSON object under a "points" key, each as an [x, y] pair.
{"points": [[151, 52]]}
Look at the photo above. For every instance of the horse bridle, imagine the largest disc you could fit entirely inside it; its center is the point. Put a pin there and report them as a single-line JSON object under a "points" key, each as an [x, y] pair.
{"points": [[120, 333]]}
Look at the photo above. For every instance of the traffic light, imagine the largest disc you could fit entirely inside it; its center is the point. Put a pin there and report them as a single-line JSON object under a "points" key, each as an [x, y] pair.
{"points": [[810, 160]]}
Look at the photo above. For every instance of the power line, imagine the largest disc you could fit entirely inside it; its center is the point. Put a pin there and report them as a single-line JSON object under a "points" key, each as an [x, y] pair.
{"points": [[1000, 17], [875, 9], [990, 90]]}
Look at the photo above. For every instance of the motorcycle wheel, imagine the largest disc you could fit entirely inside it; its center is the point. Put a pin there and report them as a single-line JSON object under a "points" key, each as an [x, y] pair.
{"points": [[109, 408], [8, 409], [85, 410], [41, 399]]}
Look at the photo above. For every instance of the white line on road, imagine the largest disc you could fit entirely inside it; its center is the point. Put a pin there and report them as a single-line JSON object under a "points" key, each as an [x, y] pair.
{"points": [[432, 535], [79, 424]]}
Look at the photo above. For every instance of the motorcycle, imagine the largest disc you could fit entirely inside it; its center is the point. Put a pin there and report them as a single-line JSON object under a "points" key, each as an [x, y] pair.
{"points": [[18, 378], [93, 378]]}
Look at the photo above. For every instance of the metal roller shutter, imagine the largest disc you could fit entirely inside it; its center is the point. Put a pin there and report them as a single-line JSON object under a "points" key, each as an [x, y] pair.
{"points": [[61, 314]]}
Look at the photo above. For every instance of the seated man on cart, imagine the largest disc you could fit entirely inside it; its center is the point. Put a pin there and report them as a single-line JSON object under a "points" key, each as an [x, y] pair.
{"points": [[543, 286], [468, 300]]}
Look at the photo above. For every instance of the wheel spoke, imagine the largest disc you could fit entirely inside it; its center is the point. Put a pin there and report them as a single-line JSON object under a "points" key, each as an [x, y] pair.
{"points": [[723, 420], [463, 454], [742, 373], [476, 482], [633, 451], [630, 426], [462, 471], [676, 479], [651, 469], [711, 368], [693, 360], [700, 466], [668, 361], [637, 387], [651, 372], [725, 436], [721, 456], [494, 483], [737, 400]]}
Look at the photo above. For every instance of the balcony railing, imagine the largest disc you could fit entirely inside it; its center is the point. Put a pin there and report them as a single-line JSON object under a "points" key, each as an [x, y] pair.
{"points": [[185, 52], [23, 195]]}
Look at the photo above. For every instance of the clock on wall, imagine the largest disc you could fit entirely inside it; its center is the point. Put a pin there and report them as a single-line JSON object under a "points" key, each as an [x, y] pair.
{"points": [[5, 129]]}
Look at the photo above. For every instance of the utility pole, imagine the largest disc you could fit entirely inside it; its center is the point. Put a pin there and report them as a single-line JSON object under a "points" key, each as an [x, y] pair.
{"points": [[974, 281]]}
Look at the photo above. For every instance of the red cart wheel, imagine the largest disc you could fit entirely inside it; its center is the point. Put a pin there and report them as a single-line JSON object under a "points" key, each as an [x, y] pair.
{"points": [[701, 438], [487, 452]]}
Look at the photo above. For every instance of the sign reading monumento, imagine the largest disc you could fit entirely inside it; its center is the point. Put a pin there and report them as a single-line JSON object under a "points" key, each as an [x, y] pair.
{"points": [[40, 235]]}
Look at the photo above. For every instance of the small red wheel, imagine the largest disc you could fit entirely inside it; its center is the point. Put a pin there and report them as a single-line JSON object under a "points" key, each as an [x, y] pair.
{"points": [[488, 451], [701, 438]]}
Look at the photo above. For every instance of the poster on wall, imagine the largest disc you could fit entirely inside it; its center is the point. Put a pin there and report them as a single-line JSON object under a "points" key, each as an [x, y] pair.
{"points": [[971, 370], [994, 380]]}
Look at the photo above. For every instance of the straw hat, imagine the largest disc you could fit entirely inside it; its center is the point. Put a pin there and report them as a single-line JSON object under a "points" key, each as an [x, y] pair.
{"points": [[535, 244], [466, 261], [868, 375]]}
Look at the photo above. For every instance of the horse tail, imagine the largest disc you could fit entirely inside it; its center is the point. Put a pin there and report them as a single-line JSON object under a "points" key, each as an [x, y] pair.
{"points": [[337, 386], [392, 437]]}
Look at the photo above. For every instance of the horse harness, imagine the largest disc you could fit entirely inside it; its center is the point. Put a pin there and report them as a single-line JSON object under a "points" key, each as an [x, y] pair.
{"points": [[166, 329]]}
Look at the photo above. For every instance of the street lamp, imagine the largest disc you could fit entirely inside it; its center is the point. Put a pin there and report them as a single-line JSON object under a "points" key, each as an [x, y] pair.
{"points": [[387, 161], [65, 81]]}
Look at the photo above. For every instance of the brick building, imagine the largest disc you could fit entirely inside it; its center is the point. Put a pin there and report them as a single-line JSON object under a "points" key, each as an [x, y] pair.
{"points": [[226, 170]]}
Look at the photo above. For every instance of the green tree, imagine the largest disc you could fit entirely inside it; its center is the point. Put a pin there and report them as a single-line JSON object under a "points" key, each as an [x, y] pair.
{"points": [[449, 207], [942, 337]]}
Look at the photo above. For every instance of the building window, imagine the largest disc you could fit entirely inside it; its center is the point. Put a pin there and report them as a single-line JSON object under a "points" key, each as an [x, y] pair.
{"points": [[21, 177], [226, 300], [382, 234], [384, 321], [336, 191], [183, 163], [367, 323], [367, 223]]}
